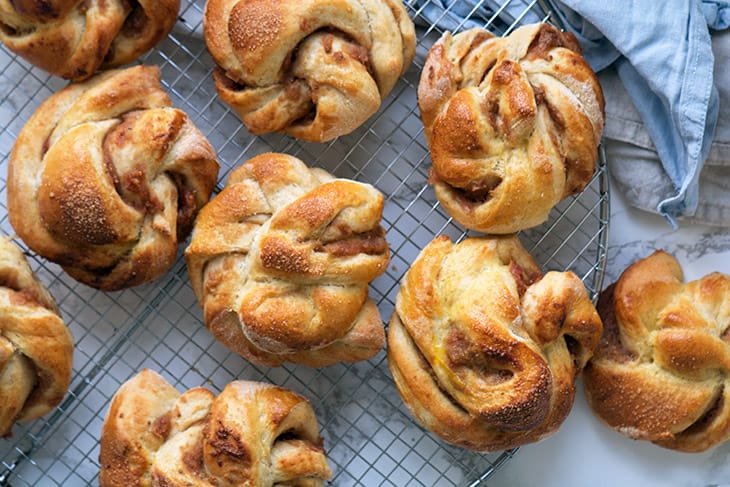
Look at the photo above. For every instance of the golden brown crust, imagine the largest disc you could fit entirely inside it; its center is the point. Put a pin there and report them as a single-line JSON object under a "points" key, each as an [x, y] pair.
{"points": [[660, 371], [74, 38], [483, 348], [106, 178], [281, 260], [513, 124], [36, 348], [252, 433], [315, 69]]}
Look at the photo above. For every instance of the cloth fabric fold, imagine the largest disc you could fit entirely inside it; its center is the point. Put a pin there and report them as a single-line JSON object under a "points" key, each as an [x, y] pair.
{"points": [[662, 53]]}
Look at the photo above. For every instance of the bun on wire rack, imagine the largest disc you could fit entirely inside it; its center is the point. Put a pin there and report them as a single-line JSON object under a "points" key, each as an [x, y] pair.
{"points": [[106, 177], [312, 69], [75, 38], [485, 349], [281, 261], [513, 124]]}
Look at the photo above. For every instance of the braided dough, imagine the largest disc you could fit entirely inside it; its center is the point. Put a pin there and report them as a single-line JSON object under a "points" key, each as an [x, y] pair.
{"points": [[483, 348], [106, 177], [74, 38], [662, 369], [36, 348], [281, 260], [252, 433], [315, 69], [513, 124]]}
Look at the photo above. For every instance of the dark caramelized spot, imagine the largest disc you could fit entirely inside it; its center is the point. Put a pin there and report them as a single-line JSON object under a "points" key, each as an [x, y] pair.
{"points": [[193, 460], [478, 191], [227, 442], [575, 349], [521, 277], [547, 39], [610, 346], [161, 426], [708, 417], [725, 337], [494, 365], [186, 210], [136, 22]]}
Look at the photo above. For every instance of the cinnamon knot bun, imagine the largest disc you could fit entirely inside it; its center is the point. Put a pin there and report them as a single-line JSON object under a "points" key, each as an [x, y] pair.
{"points": [[252, 433], [513, 124], [483, 348], [281, 261], [106, 178], [74, 38], [315, 69], [36, 347], [662, 369]]}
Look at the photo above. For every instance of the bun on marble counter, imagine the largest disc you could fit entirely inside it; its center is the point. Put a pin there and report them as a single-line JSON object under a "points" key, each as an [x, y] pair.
{"points": [[316, 69], [252, 433], [106, 178], [485, 349], [75, 38], [661, 372], [36, 347], [281, 261], [513, 124]]}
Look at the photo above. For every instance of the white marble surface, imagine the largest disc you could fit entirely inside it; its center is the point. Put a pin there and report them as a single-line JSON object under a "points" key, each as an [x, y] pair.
{"points": [[584, 451]]}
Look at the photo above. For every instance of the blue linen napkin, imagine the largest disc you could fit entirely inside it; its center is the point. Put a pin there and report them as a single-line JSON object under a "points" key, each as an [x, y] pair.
{"points": [[663, 56]]}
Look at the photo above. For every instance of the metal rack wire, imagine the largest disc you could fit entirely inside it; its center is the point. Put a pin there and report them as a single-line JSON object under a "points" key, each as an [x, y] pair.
{"points": [[370, 436]]}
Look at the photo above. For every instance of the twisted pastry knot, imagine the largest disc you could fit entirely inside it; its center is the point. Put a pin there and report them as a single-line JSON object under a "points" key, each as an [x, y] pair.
{"points": [[315, 69], [74, 38], [105, 179], [281, 260], [483, 348], [36, 348], [513, 124], [662, 369], [251, 434]]}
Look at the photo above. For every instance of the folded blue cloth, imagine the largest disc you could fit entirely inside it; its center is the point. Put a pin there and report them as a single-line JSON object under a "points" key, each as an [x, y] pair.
{"points": [[661, 52], [663, 55]]}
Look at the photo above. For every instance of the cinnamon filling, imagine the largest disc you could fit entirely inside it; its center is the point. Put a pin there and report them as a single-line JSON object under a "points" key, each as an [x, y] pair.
{"points": [[478, 192], [706, 420], [368, 243], [610, 345], [136, 22]]}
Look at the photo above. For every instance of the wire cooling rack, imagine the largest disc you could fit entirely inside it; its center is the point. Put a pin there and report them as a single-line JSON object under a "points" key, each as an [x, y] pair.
{"points": [[370, 437]]}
